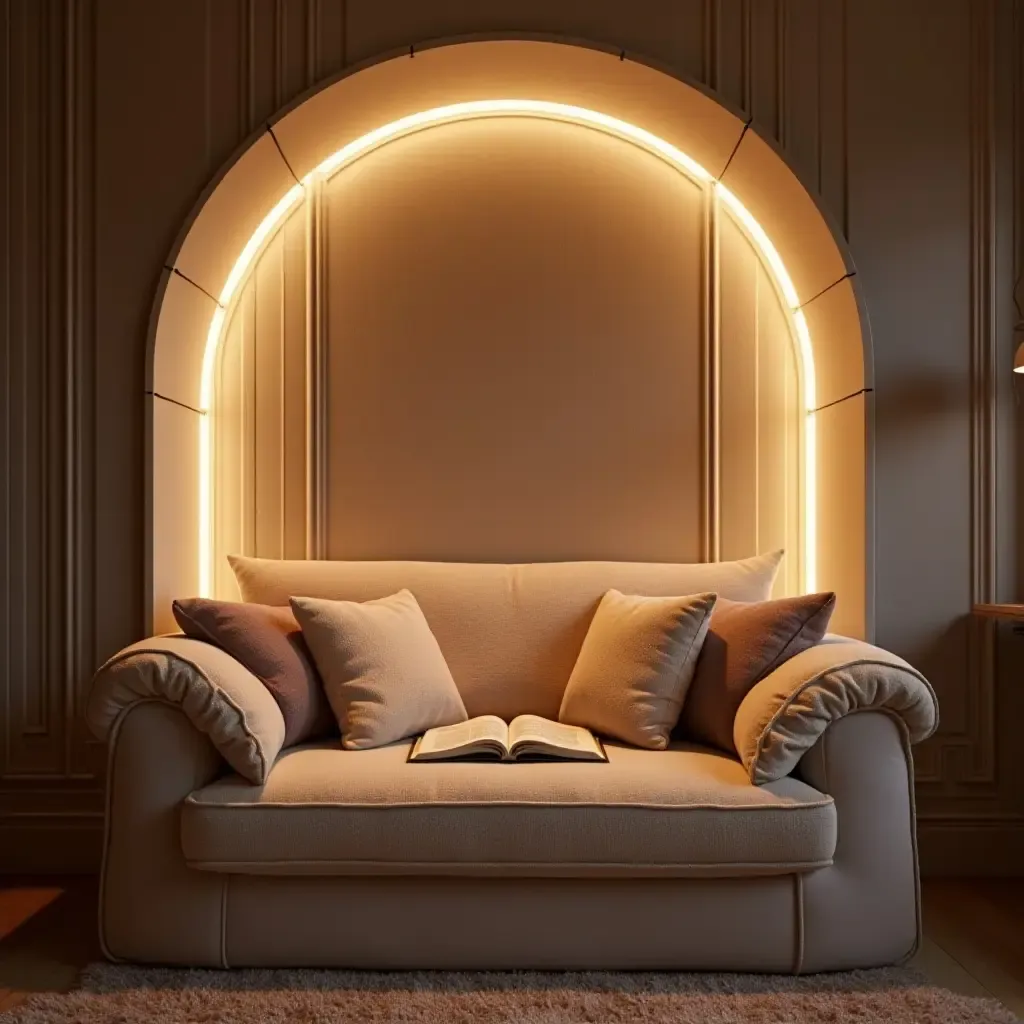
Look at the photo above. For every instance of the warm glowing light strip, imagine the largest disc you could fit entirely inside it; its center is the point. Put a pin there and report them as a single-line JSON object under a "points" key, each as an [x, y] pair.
{"points": [[803, 337], [512, 108], [508, 108]]}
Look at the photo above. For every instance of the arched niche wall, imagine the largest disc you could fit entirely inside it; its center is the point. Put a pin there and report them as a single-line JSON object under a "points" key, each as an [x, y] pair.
{"points": [[760, 234]]}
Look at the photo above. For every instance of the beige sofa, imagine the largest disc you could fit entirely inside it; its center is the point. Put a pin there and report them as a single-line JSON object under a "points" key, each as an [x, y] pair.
{"points": [[799, 855]]}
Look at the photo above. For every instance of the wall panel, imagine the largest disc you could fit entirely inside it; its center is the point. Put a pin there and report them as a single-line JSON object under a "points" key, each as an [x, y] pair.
{"points": [[513, 350], [760, 413], [674, 33], [259, 414], [117, 114]]}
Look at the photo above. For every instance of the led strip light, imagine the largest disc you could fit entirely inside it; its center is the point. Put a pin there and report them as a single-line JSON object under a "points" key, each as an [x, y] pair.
{"points": [[507, 108]]}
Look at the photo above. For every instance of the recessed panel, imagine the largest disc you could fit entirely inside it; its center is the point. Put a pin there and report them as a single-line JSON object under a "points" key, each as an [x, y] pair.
{"points": [[233, 420], [508, 69], [778, 445], [259, 411], [738, 387], [514, 349], [760, 413]]}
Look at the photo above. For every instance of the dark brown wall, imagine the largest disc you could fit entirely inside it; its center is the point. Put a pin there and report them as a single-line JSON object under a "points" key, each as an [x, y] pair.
{"points": [[116, 114]]}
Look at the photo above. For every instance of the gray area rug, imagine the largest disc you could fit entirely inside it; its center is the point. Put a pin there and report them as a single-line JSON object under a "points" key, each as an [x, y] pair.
{"points": [[112, 993]]}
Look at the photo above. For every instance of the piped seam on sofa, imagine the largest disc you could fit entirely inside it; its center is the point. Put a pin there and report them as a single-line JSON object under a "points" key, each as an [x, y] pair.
{"points": [[796, 868], [793, 695], [798, 898], [112, 736], [908, 757], [905, 744], [243, 805], [128, 654], [224, 922]]}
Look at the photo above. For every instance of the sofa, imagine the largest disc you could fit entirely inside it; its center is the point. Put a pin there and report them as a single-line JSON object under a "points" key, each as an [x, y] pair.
{"points": [[796, 854]]}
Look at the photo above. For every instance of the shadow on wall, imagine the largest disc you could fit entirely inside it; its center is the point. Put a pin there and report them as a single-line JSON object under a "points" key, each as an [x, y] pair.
{"points": [[909, 412], [911, 406]]}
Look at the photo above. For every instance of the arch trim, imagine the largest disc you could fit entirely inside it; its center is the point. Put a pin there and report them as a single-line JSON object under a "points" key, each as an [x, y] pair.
{"points": [[510, 107]]}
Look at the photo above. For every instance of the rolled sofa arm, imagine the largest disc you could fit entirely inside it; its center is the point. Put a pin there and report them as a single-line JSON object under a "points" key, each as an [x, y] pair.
{"points": [[220, 697], [782, 717]]}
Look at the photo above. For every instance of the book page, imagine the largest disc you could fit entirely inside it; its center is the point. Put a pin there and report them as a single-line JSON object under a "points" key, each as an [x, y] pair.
{"points": [[534, 729], [464, 734]]}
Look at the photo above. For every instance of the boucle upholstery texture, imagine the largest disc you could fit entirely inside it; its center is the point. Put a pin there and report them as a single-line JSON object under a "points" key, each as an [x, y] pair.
{"points": [[679, 812]]}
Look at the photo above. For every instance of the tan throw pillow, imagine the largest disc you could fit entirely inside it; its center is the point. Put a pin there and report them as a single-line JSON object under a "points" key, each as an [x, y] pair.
{"points": [[383, 671], [635, 666], [744, 643], [268, 642]]}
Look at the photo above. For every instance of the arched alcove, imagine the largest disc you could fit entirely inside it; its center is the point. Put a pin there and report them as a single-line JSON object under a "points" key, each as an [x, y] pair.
{"points": [[510, 300]]}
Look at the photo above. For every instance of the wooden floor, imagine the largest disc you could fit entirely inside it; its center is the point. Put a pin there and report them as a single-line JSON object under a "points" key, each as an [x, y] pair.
{"points": [[974, 936]]}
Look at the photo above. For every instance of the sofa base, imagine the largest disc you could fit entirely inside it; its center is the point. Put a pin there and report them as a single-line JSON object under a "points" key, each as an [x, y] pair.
{"points": [[508, 924], [859, 912], [739, 924]]}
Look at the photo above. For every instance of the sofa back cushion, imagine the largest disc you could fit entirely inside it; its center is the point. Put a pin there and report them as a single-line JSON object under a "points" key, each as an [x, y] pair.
{"points": [[509, 633]]}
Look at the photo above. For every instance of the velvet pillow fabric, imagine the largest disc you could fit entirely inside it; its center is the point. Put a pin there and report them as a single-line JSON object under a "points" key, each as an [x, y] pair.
{"points": [[744, 643], [383, 670], [268, 642], [635, 666]]}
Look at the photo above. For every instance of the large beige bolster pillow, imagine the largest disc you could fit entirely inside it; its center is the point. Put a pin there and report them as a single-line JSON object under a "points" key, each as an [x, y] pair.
{"points": [[217, 694], [782, 717]]}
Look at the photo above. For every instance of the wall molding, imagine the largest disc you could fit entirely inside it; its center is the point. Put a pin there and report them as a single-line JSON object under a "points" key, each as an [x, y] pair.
{"points": [[1017, 75], [711, 56], [51, 844], [711, 526], [970, 847], [953, 759], [316, 372]]}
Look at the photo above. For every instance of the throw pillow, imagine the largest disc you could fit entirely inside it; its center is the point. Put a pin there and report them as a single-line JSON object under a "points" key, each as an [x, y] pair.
{"points": [[383, 670], [635, 666], [268, 642], [744, 643]]}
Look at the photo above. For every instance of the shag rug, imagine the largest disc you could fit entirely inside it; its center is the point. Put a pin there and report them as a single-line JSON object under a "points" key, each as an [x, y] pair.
{"points": [[141, 995]]}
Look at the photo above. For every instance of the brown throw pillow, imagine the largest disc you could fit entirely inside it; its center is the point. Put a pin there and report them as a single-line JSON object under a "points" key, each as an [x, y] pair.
{"points": [[744, 643], [384, 673], [635, 666], [268, 642]]}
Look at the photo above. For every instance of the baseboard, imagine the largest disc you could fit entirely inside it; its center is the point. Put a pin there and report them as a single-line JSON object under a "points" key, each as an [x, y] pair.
{"points": [[971, 848], [50, 846]]}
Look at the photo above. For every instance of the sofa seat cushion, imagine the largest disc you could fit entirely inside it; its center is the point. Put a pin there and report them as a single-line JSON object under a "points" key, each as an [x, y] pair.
{"points": [[685, 811]]}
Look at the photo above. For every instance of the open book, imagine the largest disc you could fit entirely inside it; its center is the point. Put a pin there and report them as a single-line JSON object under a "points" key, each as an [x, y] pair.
{"points": [[528, 737]]}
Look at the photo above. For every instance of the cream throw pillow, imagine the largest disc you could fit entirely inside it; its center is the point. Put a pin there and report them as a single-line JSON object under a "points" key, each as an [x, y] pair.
{"points": [[384, 674], [636, 665]]}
